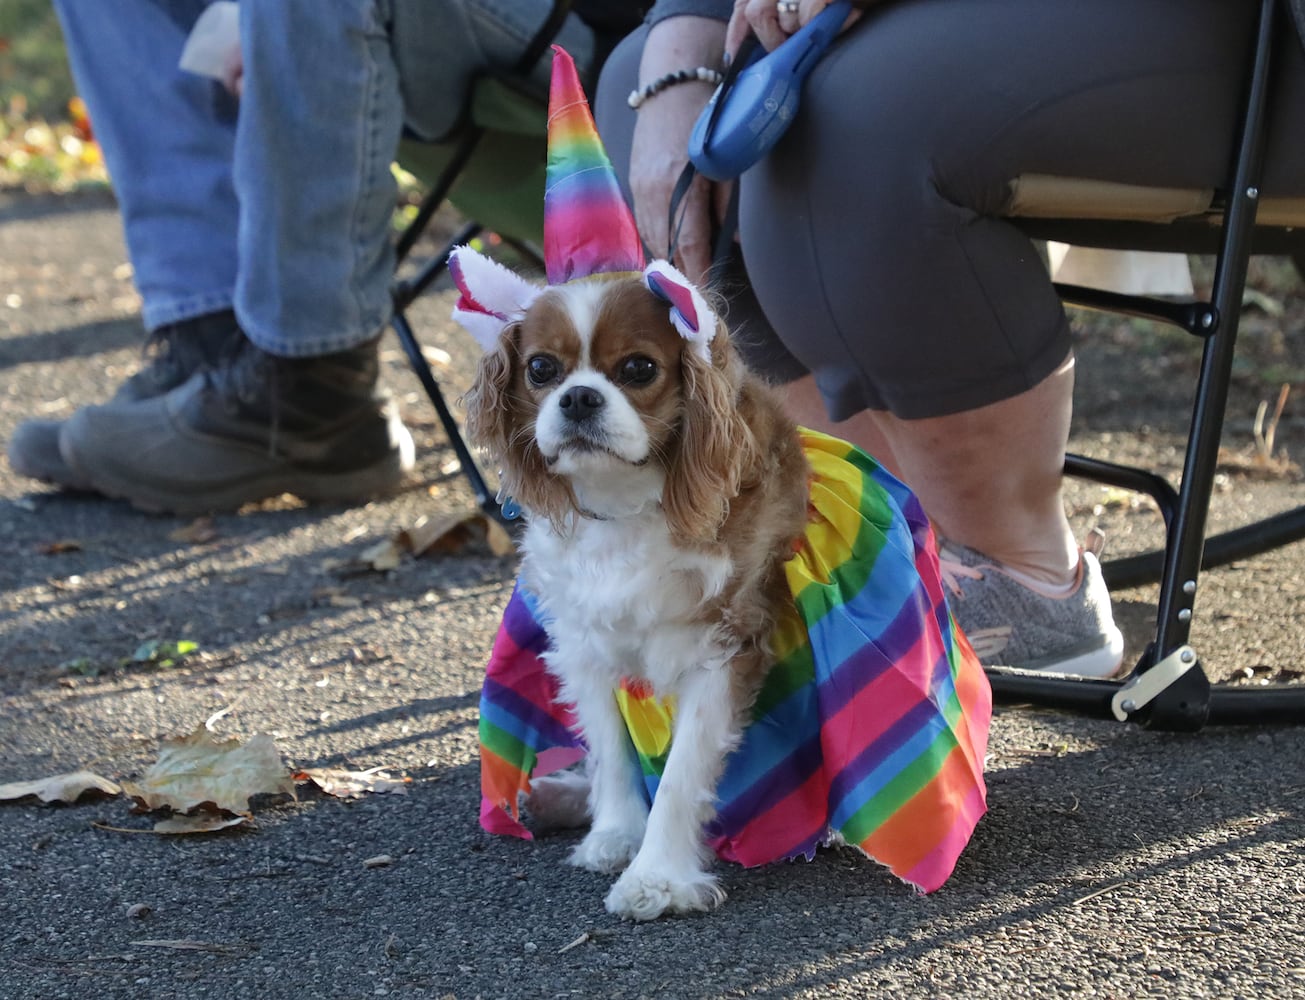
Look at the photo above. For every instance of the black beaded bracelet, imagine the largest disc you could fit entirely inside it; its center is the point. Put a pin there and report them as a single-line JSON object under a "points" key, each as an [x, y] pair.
{"points": [[703, 73]]}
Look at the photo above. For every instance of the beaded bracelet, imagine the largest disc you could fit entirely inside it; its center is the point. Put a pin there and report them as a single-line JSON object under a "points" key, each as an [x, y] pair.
{"points": [[703, 73]]}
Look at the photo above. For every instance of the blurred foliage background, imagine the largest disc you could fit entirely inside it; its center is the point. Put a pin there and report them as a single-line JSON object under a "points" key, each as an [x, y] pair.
{"points": [[45, 137], [33, 68]]}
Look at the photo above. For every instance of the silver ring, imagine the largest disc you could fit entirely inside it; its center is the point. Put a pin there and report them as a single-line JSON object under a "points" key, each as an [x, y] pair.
{"points": [[787, 6]]}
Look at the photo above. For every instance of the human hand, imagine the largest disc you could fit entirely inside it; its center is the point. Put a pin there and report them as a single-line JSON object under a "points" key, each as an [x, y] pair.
{"points": [[660, 147], [658, 154], [772, 21]]}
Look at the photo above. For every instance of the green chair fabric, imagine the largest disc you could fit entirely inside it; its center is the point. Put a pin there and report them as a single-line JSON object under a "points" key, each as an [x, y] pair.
{"points": [[502, 186]]}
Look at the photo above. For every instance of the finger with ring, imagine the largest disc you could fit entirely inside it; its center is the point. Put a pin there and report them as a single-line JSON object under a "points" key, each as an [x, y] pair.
{"points": [[787, 6]]}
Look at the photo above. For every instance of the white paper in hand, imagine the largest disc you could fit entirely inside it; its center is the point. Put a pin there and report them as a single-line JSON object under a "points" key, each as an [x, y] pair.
{"points": [[213, 42]]}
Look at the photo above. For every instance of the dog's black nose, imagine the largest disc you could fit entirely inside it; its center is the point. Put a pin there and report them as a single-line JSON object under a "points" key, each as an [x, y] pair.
{"points": [[580, 401]]}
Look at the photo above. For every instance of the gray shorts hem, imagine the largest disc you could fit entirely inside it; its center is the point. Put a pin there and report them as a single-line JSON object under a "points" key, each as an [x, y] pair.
{"points": [[845, 397]]}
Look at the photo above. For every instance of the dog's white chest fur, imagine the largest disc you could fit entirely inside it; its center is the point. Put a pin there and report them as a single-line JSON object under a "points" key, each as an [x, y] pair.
{"points": [[625, 594]]}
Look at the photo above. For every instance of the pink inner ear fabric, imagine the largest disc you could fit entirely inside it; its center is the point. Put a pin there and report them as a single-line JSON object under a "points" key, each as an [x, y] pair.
{"points": [[467, 301], [677, 295]]}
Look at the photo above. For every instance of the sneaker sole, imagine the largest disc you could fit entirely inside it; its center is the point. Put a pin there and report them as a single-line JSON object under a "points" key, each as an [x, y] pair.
{"points": [[1099, 663]]}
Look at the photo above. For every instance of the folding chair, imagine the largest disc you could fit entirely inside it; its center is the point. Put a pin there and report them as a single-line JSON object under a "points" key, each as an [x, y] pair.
{"points": [[492, 170], [1168, 688]]}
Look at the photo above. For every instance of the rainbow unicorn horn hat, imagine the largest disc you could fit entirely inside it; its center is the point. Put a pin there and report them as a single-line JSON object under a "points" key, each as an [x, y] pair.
{"points": [[588, 228]]}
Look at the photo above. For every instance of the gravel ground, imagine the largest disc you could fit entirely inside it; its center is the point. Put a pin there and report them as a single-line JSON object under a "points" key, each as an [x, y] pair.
{"points": [[1114, 861]]}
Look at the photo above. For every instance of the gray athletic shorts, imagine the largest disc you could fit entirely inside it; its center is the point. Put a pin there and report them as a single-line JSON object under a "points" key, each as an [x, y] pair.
{"points": [[873, 233]]}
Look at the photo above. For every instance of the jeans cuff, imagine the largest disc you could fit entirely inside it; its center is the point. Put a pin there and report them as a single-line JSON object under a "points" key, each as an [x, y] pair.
{"points": [[160, 314]]}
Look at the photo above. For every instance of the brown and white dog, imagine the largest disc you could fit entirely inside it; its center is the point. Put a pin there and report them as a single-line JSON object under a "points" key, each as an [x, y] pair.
{"points": [[663, 489]]}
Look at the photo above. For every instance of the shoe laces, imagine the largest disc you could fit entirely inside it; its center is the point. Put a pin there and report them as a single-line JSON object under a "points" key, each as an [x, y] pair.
{"points": [[246, 377], [162, 354], [174, 352], [952, 572], [242, 375]]}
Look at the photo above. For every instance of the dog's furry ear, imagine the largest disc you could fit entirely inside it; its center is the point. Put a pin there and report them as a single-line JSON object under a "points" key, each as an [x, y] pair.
{"points": [[491, 412], [492, 295], [715, 449], [501, 420]]}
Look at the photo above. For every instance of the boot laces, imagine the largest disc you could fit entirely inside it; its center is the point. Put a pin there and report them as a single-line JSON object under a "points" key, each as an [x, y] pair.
{"points": [[163, 359], [248, 377]]}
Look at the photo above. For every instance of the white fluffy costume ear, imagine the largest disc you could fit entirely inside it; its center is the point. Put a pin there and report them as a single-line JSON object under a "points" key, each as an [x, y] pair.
{"points": [[690, 313], [492, 295]]}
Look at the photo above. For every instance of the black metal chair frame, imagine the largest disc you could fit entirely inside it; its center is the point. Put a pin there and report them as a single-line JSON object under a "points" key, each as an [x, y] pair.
{"points": [[1168, 688], [405, 291]]}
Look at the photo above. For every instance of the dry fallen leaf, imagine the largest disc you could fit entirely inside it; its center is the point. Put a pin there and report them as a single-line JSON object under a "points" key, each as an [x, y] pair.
{"points": [[198, 768], [199, 823], [1254, 464], [436, 356], [59, 547], [500, 542], [334, 597], [383, 555], [60, 788], [197, 532], [446, 534], [353, 784], [451, 533]]}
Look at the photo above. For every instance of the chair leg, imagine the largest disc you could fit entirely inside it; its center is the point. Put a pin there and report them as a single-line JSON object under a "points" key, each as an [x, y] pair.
{"points": [[1168, 688], [1184, 704], [404, 293], [484, 498]]}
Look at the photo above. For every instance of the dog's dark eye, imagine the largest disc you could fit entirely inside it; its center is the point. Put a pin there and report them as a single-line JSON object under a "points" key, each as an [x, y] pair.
{"points": [[637, 370], [541, 369]]}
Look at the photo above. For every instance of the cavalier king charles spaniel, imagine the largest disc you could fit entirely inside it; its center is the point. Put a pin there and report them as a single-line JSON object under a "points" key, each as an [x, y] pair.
{"points": [[663, 488]]}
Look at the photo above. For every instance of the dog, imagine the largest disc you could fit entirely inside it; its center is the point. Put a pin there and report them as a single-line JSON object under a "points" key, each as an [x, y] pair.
{"points": [[663, 488]]}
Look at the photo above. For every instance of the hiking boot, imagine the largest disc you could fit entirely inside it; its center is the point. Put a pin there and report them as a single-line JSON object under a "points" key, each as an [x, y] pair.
{"points": [[174, 353], [1012, 620], [253, 427]]}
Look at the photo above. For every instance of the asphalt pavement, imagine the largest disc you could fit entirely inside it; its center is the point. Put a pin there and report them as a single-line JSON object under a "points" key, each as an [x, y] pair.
{"points": [[1114, 861]]}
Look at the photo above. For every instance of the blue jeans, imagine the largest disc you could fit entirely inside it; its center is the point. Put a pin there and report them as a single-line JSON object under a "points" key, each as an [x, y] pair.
{"points": [[168, 139], [284, 210]]}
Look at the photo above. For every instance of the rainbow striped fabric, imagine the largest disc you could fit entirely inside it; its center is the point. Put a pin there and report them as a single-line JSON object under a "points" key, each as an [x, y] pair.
{"points": [[588, 228], [870, 729]]}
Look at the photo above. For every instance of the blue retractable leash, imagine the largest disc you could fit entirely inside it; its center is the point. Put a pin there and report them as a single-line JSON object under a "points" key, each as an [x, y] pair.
{"points": [[756, 102], [753, 106]]}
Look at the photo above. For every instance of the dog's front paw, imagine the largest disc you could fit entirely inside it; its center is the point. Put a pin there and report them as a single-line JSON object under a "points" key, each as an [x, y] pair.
{"points": [[606, 850], [646, 895]]}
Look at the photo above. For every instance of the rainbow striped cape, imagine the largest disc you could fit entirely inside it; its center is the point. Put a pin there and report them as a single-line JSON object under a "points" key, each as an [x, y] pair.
{"points": [[870, 729]]}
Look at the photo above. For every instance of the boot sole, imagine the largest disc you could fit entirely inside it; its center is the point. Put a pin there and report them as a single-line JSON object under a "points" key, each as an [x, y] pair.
{"points": [[375, 480]]}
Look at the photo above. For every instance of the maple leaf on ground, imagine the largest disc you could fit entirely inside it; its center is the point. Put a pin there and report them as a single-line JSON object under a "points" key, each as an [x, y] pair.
{"points": [[199, 768]]}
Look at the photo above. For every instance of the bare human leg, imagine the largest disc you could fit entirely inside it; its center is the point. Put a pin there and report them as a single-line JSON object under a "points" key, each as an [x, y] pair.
{"points": [[989, 478]]}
